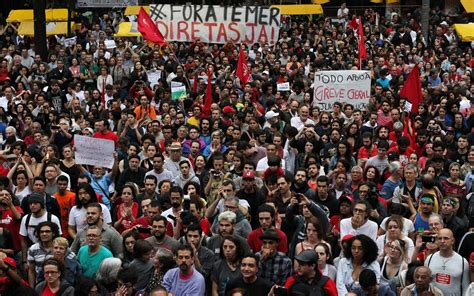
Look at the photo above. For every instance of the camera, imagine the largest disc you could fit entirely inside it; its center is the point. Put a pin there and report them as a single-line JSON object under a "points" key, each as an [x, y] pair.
{"points": [[428, 238]]}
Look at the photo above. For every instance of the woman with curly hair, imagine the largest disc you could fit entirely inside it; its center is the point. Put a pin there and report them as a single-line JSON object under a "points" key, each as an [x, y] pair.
{"points": [[359, 253]]}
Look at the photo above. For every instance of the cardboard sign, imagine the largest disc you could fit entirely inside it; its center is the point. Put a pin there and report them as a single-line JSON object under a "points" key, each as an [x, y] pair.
{"points": [[110, 44], [283, 86], [217, 24], [348, 86], [92, 151]]}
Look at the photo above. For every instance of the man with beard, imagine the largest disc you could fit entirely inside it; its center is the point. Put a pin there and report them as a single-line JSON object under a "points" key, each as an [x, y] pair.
{"points": [[371, 125], [91, 255], [300, 184], [421, 141], [176, 199], [313, 173], [150, 189], [384, 118], [204, 258], [302, 120], [368, 149], [184, 280], [159, 238], [249, 279], [111, 239], [226, 222], [266, 218], [134, 173]]}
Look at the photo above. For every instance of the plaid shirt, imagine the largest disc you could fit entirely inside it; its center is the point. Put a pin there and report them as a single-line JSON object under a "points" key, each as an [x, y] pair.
{"points": [[275, 269]]}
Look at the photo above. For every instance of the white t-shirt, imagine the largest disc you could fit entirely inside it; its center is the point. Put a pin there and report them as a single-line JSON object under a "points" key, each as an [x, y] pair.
{"points": [[369, 228], [22, 194], [30, 232], [447, 273], [77, 217], [262, 164]]}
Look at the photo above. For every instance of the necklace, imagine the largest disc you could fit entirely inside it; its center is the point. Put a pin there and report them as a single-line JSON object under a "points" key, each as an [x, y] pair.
{"points": [[444, 263]]}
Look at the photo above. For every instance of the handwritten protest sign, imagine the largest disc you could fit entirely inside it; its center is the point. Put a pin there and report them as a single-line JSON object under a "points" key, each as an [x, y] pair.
{"points": [[351, 86], [94, 151], [217, 24]]}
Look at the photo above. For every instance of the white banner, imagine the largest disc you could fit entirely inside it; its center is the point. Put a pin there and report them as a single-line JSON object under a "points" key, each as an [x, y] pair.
{"points": [[106, 3], [94, 151], [217, 24], [351, 86]]}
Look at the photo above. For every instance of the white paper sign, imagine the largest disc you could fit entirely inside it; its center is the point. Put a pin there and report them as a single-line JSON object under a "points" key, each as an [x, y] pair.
{"points": [[348, 86], [92, 151], [217, 24], [283, 86], [109, 44], [70, 41], [153, 77]]}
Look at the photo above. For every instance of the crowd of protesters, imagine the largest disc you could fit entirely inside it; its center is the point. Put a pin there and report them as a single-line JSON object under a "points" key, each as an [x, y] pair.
{"points": [[269, 194]]}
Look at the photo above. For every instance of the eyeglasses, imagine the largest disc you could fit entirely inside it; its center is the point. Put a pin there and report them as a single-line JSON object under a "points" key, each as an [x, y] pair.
{"points": [[45, 231]]}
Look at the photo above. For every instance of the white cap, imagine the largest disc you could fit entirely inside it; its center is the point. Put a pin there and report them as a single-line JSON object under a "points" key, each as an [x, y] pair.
{"points": [[270, 114]]}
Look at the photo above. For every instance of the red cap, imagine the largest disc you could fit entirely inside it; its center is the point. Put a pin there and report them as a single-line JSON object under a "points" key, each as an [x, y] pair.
{"points": [[471, 257], [10, 261], [347, 237], [248, 175], [228, 109]]}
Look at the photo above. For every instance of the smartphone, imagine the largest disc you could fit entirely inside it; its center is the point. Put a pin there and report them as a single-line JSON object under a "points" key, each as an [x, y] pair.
{"points": [[428, 238], [186, 203], [144, 230], [280, 291], [54, 127]]}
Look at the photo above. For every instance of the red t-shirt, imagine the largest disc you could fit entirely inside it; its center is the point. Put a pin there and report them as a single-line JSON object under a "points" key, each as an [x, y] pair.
{"points": [[329, 288], [47, 292], [255, 243], [144, 222], [13, 226], [126, 223], [107, 136]]}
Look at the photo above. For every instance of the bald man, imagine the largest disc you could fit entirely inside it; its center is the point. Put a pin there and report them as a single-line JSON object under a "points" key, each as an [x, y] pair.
{"points": [[450, 270], [423, 279]]}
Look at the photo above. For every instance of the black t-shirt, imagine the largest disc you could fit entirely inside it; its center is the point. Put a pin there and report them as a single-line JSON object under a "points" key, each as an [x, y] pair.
{"points": [[259, 287]]}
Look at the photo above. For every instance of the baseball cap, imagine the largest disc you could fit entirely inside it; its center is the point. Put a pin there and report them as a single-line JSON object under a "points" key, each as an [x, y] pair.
{"points": [[228, 109], [248, 175], [270, 114], [347, 237], [10, 261], [265, 72], [307, 256]]}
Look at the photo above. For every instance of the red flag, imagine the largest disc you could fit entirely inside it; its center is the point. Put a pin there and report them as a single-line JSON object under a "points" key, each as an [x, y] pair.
{"points": [[362, 51], [206, 110], [412, 89], [148, 28], [353, 23], [242, 68]]}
